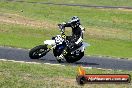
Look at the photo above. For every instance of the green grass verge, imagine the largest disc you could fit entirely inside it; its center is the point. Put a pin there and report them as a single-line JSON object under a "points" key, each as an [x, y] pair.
{"points": [[91, 17], [90, 2], [22, 75]]}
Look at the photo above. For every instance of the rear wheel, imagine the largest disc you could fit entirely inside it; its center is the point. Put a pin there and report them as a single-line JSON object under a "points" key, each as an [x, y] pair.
{"points": [[38, 52], [73, 58]]}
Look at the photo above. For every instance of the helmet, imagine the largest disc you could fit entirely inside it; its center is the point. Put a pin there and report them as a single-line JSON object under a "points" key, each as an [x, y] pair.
{"points": [[75, 21], [75, 18]]}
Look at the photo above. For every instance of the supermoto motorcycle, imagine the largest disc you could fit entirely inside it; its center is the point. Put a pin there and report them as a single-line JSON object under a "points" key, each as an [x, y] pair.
{"points": [[58, 45]]}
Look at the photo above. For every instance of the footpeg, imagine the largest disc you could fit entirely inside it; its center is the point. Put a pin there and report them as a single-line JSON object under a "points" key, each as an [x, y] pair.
{"points": [[64, 52]]}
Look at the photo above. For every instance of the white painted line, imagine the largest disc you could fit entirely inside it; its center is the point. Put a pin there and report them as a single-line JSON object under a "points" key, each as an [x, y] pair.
{"points": [[20, 61], [14, 48], [103, 68], [55, 64], [88, 67], [30, 62]]}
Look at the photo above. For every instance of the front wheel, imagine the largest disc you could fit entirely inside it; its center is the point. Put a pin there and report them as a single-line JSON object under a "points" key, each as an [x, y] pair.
{"points": [[38, 52]]}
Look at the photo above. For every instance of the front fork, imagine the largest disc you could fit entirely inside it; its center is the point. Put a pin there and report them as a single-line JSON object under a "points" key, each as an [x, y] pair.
{"points": [[51, 48]]}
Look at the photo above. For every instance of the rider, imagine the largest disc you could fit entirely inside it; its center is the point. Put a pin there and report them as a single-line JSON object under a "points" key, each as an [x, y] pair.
{"points": [[77, 30]]}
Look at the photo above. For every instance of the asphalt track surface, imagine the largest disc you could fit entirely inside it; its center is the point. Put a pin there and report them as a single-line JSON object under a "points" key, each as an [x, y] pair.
{"points": [[98, 62], [79, 5]]}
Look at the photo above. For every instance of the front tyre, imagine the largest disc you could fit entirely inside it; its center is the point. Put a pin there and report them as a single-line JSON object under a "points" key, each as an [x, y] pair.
{"points": [[38, 52]]}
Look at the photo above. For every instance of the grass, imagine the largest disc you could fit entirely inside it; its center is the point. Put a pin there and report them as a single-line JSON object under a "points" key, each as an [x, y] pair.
{"points": [[23, 36], [91, 17], [115, 48], [109, 31], [90, 2], [24, 75]]}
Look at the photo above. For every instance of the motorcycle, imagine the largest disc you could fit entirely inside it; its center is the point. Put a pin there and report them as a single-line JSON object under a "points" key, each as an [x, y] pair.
{"points": [[58, 44]]}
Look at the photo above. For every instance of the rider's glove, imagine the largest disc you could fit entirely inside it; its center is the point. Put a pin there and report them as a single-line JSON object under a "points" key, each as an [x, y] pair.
{"points": [[61, 27]]}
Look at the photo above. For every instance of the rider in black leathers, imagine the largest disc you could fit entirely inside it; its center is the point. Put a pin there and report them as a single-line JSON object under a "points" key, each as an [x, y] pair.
{"points": [[77, 30], [77, 33]]}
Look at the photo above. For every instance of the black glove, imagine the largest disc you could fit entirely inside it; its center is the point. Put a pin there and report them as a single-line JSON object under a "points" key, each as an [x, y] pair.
{"points": [[61, 26]]}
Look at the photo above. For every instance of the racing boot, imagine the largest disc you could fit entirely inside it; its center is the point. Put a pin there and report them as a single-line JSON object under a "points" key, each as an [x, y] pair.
{"points": [[60, 58]]}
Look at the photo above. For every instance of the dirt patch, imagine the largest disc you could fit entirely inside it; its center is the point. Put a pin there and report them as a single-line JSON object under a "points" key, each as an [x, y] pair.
{"points": [[16, 19]]}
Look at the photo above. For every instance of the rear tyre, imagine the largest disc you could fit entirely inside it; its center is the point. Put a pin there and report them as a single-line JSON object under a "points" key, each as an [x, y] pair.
{"points": [[38, 52], [73, 58]]}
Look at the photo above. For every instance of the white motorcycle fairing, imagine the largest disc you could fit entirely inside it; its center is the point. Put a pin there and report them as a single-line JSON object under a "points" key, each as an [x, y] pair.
{"points": [[58, 40], [49, 42]]}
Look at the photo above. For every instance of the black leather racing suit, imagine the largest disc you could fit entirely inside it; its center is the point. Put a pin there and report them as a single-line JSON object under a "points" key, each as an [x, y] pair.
{"points": [[77, 34]]}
